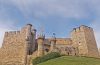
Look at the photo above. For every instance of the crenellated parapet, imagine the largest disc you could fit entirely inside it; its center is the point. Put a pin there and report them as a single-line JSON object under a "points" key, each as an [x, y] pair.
{"points": [[19, 46], [83, 38], [11, 33], [16, 47], [82, 28]]}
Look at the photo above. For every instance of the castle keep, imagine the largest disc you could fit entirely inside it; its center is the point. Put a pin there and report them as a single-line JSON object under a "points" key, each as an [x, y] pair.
{"points": [[19, 47]]}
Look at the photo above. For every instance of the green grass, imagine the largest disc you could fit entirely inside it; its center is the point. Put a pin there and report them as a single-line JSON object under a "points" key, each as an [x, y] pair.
{"points": [[70, 60]]}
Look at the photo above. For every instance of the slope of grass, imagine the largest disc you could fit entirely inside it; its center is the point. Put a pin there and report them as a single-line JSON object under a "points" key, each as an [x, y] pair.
{"points": [[45, 58], [70, 60]]}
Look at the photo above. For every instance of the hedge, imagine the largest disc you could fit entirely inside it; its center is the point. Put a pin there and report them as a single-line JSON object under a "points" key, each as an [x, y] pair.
{"points": [[44, 58]]}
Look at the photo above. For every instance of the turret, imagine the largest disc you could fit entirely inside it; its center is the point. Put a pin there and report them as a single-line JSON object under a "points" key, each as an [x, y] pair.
{"points": [[40, 42], [53, 43], [28, 29], [34, 44]]}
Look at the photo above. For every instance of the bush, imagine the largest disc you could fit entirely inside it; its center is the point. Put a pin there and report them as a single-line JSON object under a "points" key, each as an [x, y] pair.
{"points": [[45, 58]]}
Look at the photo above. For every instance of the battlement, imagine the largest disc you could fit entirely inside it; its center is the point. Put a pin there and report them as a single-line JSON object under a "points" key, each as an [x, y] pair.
{"points": [[18, 45], [41, 36], [12, 33], [29, 24], [81, 28]]}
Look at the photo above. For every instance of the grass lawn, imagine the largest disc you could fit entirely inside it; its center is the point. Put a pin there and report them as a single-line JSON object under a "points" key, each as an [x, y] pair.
{"points": [[70, 60]]}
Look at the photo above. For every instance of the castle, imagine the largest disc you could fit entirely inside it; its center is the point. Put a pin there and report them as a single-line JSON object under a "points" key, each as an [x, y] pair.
{"points": [[19, 47]]}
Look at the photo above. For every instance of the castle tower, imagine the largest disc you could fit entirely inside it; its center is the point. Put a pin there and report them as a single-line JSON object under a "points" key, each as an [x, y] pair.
{"points": [[29, 38], [53, 43], [34, 44], [28, 29], [30, 34], [40, 42], [17, 46], [84, 41]]}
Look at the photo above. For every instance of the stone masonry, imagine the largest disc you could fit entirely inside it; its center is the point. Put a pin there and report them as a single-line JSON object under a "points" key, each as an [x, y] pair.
{"points": [[84, 40], [20, 47], [16, 46]]}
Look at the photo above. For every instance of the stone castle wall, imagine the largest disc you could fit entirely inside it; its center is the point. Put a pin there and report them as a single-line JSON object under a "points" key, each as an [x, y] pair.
{"points": [[62, 45], [19, 46], [84, 40], [13, 49]]}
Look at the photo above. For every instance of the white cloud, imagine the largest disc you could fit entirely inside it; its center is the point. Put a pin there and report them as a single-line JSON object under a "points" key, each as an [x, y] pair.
{"points": [[64, 8], [96, 26], [2, 35], [97, 34], [6, 23]]}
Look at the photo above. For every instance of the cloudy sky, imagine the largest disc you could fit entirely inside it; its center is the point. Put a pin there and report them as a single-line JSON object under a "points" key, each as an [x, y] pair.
{"points": [[59, 16]]}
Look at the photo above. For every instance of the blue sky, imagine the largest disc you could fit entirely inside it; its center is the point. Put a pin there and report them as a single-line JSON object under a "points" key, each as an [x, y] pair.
{"points": [[54, 16]]}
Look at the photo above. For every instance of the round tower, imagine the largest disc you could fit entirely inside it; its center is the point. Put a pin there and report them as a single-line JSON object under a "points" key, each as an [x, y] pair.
{"points": [[28, 30], [34, 44], [40, 42], [53, 42]]}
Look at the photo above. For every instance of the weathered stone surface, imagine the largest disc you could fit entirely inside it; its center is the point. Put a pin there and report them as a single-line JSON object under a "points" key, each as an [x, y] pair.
{"points": [[20, 47], [83, 39], [15, 47]]}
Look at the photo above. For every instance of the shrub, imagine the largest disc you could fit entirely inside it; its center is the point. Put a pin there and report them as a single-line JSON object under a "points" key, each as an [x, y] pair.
{"points": [[45, 58]]}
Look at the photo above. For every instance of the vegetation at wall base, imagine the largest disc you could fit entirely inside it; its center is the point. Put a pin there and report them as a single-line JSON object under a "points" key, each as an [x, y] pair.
{"points": [[72, 60], [47, 57]]}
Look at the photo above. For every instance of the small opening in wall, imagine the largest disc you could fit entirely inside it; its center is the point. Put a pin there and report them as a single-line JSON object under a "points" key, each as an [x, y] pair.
{"points": [[29, 53], [68, 53], [75, 53], [47, 50]]}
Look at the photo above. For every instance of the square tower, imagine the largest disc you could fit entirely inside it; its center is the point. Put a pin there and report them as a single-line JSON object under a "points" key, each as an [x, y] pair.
{"points": [[84, 40]]}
